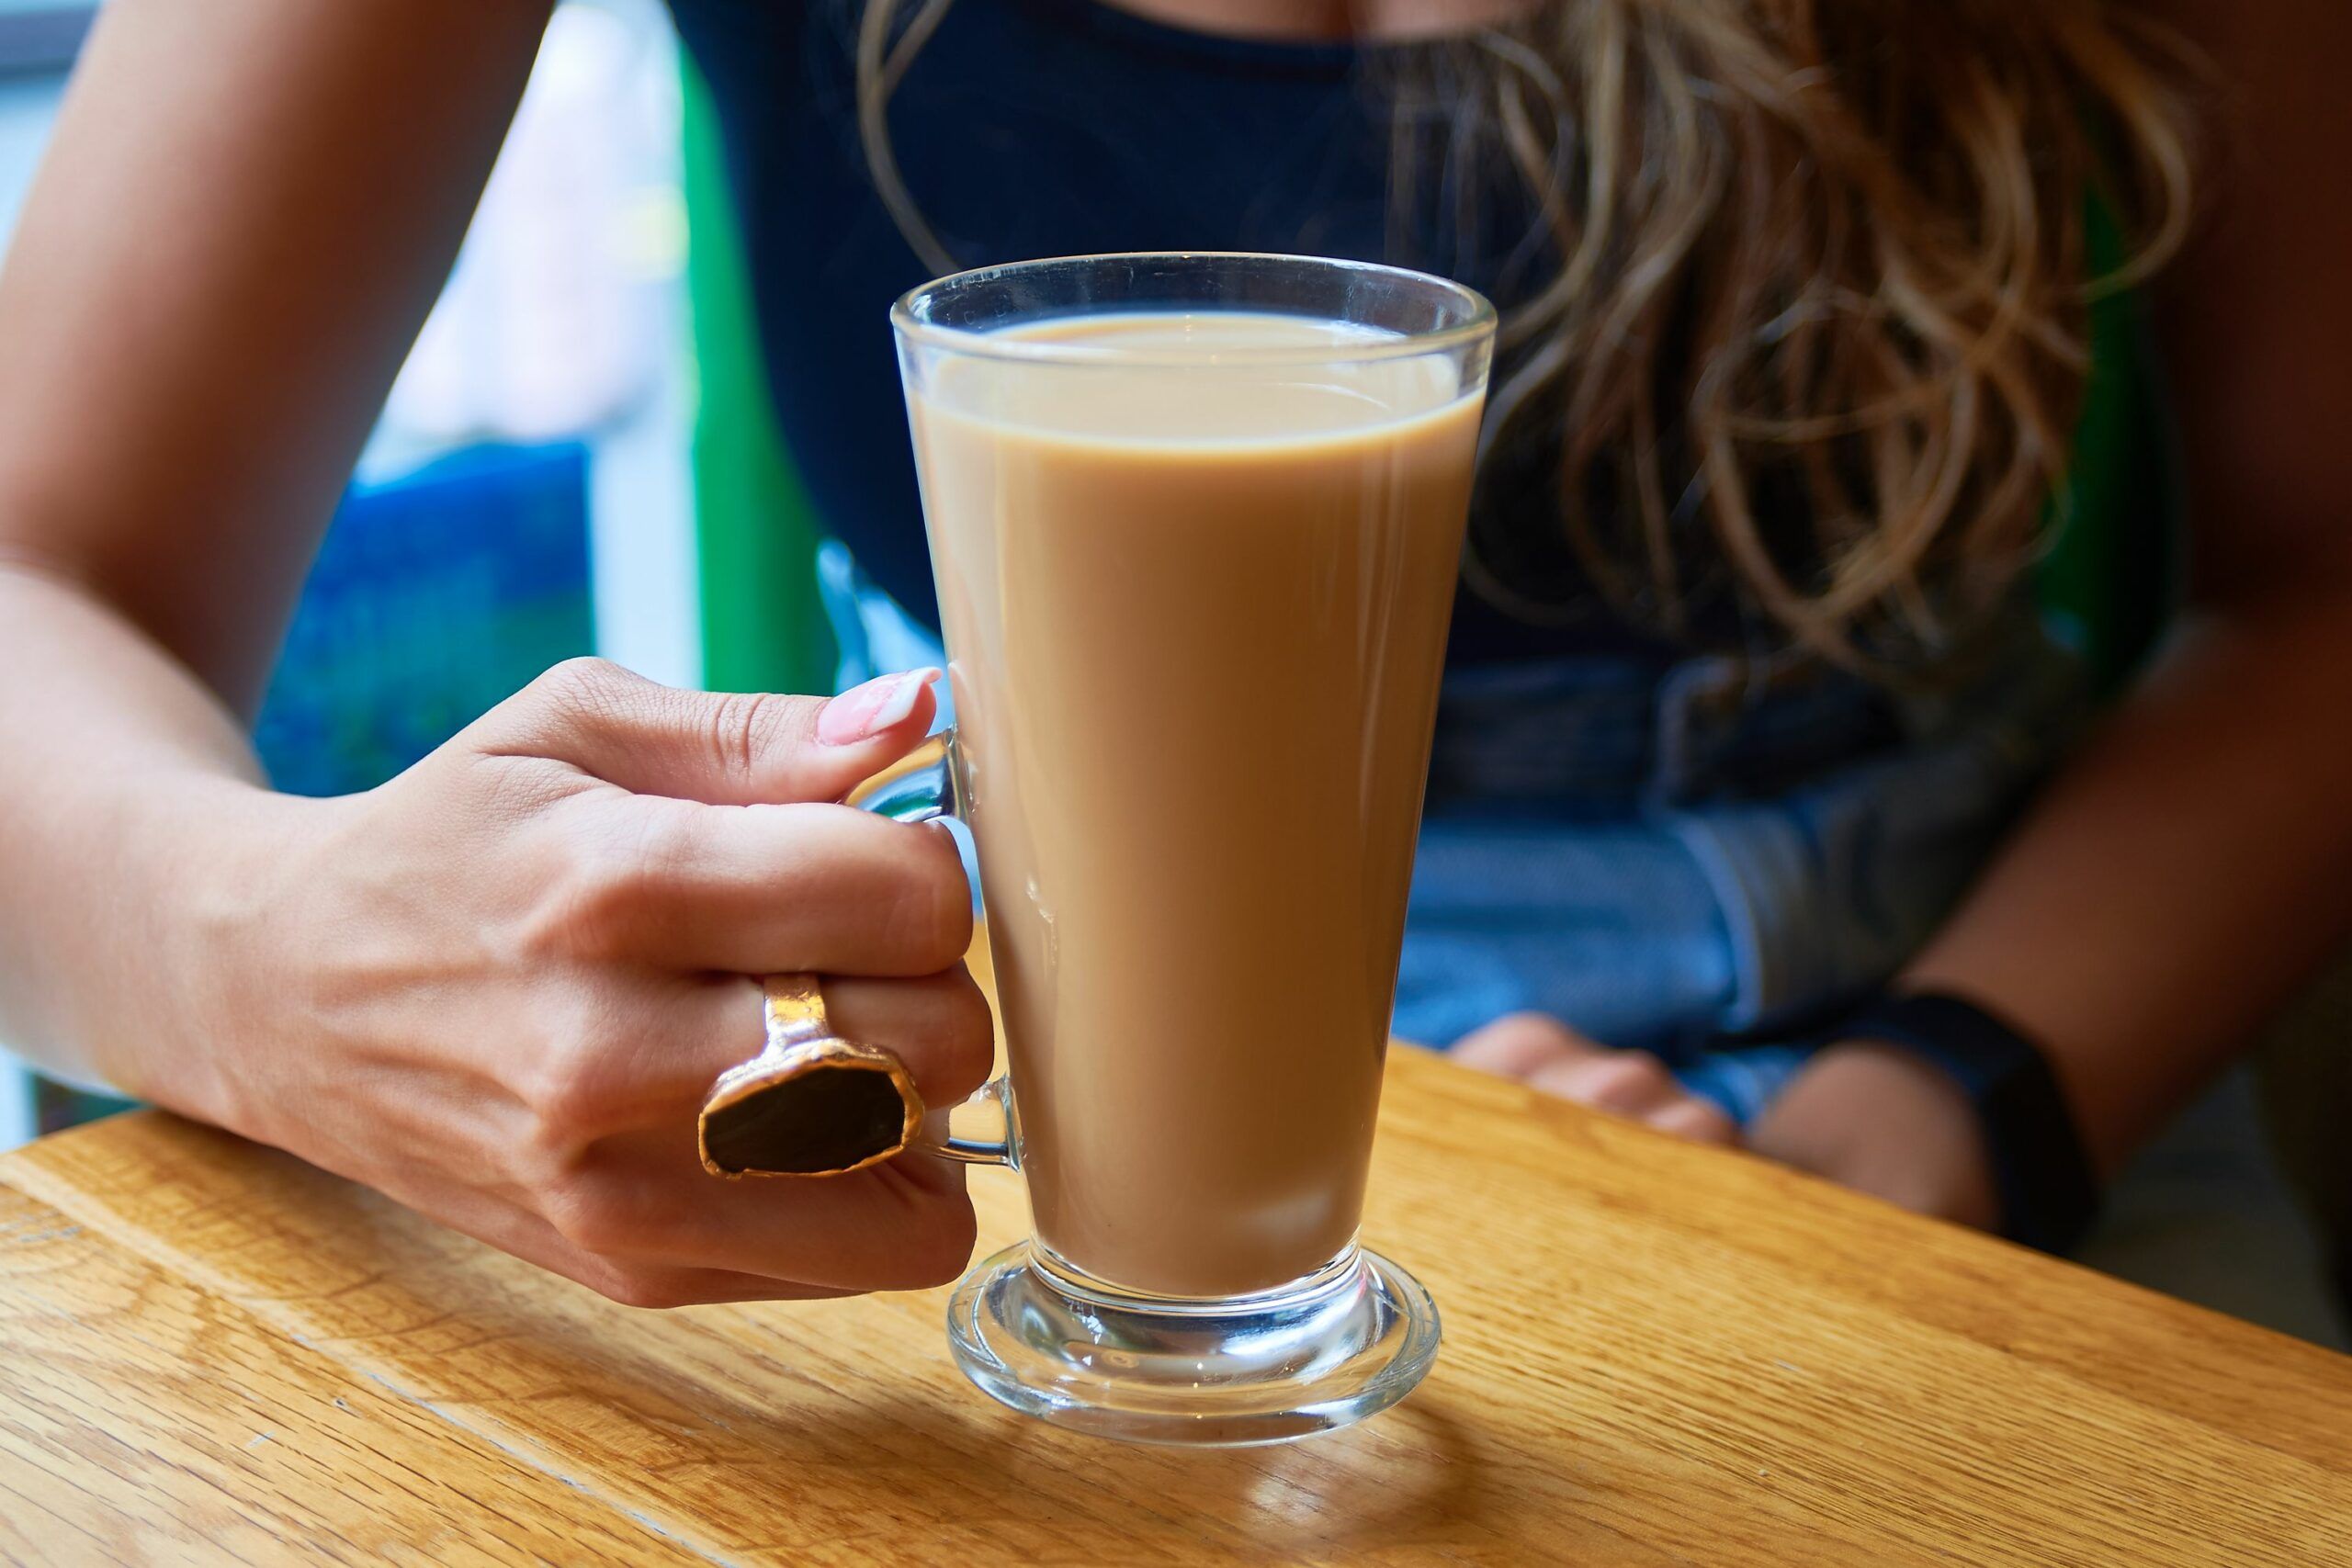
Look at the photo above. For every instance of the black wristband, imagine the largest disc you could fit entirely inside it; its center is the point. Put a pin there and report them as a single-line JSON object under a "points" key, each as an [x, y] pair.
{"points": [[2041, 1174]]}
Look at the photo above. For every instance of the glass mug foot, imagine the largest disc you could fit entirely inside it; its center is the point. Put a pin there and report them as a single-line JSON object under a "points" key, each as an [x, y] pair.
{"points": [[1347, 1342]]}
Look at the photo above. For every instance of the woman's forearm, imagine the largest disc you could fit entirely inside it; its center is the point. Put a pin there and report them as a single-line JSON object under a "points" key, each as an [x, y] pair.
{"points": [[2175, 882], [120, 770], [2182, 876]]}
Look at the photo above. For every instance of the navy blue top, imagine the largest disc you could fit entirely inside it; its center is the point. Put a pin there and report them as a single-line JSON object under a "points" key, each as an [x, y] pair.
{"points": [[1040, 128]]}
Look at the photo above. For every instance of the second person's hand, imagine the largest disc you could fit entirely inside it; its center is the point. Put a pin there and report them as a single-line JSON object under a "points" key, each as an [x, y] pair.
{"points": [[1540, 1050], [1866, 1117]]}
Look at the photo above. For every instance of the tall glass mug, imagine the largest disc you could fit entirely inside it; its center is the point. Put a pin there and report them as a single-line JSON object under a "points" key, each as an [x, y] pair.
{"points": [[1195, 521]]}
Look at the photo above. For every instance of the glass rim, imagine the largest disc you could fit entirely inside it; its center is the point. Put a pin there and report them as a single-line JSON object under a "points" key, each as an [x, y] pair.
{"points": [[984, 343]]}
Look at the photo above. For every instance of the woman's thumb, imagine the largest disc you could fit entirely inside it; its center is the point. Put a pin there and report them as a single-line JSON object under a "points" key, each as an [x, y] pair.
{"points": [[723, 748]]}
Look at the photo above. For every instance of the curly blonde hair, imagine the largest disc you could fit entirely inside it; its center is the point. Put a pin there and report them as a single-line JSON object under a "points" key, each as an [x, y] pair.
{"points": [[1813, 344]]}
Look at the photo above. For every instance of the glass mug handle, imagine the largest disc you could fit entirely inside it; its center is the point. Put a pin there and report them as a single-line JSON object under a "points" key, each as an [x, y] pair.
{"points": [[812, 1104]]}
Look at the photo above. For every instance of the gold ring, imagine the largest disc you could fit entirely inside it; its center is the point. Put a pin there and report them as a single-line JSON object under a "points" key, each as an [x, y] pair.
{"points": [[810, 1103]]}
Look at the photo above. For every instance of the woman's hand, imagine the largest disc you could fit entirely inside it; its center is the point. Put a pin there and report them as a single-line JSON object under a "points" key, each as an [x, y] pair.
{"points": [[499, 986], [1880, 1121], [1867, 1117], [1542, 1051]]}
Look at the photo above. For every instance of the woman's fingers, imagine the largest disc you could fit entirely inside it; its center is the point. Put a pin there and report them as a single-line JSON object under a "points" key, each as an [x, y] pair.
{"points": [[630, 1282], [1517, 1044], [1630, 1083], [643, 1199], [1700, 1120], [1637, 1085], [1549, 1055], [647, 1058], [722, 748], [600, 1179], [939, 1025], [749, 889]]}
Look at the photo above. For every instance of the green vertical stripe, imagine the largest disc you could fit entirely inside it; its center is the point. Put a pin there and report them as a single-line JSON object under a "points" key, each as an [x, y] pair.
{"points": [[764, 626]]}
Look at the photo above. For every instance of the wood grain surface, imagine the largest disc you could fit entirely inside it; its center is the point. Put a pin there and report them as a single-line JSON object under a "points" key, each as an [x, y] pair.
{"points": [[1654, 1354], [147, 1420]]}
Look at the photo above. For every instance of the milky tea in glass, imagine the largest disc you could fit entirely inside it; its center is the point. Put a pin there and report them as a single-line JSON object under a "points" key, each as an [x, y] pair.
{"points": [[1196, 523]]}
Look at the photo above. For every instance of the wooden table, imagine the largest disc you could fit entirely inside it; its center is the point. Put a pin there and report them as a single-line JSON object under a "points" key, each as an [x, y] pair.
{"points": [[1654, 1353]]}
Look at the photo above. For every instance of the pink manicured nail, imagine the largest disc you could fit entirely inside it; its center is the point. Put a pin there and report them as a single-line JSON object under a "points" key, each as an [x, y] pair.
{"points": [[863, 712]]}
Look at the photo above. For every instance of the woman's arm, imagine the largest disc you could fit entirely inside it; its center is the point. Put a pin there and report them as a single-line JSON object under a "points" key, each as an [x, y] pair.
{"points": [[497, 987], [2194, 863], [247, 210]]}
